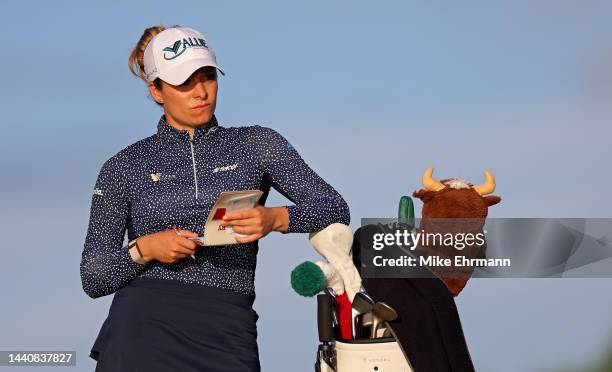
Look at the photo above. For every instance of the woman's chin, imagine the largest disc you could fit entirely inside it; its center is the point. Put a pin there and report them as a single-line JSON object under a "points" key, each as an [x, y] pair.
{"points": [[201, 118]]}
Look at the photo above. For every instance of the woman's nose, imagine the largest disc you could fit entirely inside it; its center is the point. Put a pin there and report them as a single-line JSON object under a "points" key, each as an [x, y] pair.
{"points": [[199, 90]]}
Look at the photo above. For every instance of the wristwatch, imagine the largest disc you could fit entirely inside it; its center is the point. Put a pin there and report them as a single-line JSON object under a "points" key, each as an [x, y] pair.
{"points": [[135, 252]]}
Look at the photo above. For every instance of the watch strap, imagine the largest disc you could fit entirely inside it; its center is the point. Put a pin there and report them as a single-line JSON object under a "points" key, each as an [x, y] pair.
{"points": [[136, 253]]}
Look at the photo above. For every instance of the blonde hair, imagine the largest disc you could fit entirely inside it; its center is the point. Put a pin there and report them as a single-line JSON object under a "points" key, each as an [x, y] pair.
{"points": [[136, 59]]}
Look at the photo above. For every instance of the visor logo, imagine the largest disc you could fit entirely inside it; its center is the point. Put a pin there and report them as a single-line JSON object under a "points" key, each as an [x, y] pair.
{"points": [[180, 46]]}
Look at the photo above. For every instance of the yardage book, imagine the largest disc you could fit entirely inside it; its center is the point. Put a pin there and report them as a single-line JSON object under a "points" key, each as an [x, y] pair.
{"points": [[228, 201]]}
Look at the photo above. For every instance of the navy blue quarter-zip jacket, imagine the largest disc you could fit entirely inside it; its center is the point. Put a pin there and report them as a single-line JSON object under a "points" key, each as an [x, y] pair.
{"points": [[169, 179]]}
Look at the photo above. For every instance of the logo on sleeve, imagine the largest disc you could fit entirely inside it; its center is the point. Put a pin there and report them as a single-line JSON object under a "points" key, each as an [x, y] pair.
{"points": [[97, 191]]}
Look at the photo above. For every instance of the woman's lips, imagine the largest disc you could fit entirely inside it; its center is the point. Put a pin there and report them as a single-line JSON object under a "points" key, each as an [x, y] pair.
{"points": [[200, 107]]}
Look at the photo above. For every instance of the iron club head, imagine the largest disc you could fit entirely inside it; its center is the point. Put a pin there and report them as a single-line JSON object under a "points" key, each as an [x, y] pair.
{"points": [[384, 311], [381, 312], [362, 304]]}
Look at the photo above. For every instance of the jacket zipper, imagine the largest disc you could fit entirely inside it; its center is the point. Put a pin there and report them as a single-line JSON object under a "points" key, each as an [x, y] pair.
{"points": [[195, 177]]}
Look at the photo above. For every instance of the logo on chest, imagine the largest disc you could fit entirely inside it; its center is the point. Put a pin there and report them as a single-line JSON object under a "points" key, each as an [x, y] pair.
{"points": [[225, 168], [156, 177]]}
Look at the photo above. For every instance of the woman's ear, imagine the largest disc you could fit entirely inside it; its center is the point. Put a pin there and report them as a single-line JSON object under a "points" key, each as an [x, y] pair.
{"points": [[155, 93]]}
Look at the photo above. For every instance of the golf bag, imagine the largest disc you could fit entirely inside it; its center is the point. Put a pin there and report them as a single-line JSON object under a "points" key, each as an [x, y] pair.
{"points": [[336, 354], [426, 336], [428, 328]]}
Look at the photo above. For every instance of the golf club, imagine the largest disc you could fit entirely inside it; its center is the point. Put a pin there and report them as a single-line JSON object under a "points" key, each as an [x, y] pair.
{"points": [[381, 312], [362, 303], [330, 293]]}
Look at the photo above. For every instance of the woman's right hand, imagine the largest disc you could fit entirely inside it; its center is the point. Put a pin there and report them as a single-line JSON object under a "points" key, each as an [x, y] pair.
{"points": [[167, 246]]}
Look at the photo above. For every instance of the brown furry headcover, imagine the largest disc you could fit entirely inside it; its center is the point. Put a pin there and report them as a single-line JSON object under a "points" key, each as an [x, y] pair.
{"points": [[454, 206]]}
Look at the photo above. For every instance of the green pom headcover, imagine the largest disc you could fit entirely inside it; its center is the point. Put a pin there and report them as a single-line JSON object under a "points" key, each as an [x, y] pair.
{"points": [[307, 279]]}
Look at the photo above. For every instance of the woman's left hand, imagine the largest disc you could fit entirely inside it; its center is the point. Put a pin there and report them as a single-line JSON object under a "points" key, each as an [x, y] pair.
{"points": [[255, 223]]}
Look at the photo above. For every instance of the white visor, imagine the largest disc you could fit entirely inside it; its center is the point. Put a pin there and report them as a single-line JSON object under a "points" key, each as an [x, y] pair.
{"points": [[176, 53]]}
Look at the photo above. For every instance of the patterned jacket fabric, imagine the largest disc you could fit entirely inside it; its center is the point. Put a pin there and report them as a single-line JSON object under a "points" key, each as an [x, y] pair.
{"points": [[169, 179]]}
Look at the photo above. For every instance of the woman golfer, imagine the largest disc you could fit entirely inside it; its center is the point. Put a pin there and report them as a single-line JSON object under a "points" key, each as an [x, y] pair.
{"points": [[177, 306]]}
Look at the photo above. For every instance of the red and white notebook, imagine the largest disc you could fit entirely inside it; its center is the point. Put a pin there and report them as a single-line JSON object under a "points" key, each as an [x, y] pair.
{"points": [[228, 201]]}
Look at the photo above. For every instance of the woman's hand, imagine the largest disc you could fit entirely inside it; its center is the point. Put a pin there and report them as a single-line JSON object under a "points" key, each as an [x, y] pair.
{"points": [[255, 223], [167, 246]]}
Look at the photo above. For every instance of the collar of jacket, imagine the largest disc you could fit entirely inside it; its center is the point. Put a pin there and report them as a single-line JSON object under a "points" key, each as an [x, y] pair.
{"points": [[169, 132]]}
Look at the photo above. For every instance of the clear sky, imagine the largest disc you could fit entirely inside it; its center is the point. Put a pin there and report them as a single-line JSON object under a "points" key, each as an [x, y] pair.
{"points": [[370, 93]]}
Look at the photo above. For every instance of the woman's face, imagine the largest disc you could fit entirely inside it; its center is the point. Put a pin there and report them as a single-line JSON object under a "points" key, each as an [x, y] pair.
{"points": [[192, 103]]}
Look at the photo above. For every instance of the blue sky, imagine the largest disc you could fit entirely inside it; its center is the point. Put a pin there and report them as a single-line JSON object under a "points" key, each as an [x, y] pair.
{"points": [[370, 95]]}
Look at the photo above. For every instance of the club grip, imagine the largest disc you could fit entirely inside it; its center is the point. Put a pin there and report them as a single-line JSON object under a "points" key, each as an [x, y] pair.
{"points": [[324, 318]]}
